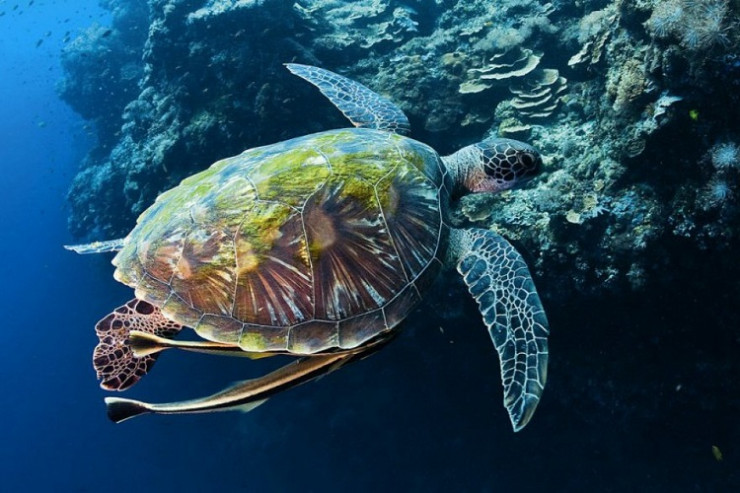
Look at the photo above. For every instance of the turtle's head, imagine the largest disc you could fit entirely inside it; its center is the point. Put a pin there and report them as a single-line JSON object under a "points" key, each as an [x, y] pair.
{"points": [[493, 165]]}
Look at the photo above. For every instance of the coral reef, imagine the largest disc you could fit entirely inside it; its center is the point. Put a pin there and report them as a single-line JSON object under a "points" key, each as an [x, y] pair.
{"points": [[627, 100]]}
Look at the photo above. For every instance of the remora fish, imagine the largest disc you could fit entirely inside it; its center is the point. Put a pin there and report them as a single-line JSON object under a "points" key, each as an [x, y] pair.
{"points": [[242, 396]]}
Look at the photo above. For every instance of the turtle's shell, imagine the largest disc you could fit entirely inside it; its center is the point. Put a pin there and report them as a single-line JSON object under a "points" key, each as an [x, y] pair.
{"points": [[308, 245]]}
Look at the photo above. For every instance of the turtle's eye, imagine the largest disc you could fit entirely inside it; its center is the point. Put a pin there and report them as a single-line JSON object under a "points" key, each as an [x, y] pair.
{"points": [[529, 161]]}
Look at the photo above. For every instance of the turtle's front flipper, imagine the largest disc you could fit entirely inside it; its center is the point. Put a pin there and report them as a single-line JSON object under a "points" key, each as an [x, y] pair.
{"points": [[499, 280], [362, 106], [113, 359], [97, 247], [246, 395]]}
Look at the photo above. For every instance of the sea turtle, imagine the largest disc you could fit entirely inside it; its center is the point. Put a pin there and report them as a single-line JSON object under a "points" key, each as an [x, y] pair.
{"points": [[318, 247]]}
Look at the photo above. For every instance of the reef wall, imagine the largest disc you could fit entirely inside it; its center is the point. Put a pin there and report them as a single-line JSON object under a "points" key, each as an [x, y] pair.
{"points": [[633, 103]]}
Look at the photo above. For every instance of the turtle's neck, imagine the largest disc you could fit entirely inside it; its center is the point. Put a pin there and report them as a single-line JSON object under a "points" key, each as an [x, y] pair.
{"points": [[458, 167]]}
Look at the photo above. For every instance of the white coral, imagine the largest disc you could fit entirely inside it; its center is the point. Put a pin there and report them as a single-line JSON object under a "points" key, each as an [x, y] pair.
{"points": [[725, 155]]}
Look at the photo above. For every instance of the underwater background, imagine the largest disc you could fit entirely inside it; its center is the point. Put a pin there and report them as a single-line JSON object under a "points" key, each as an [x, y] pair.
{"points": [[631, 233]]}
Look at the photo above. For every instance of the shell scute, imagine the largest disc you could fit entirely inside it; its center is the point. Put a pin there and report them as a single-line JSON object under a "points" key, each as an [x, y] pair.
{"points": [[357, 330], [176, 308], [291, 176], [204, 273], [273, 280], [312, 337], [411, 210], [354, 264], [260, 338], [219, 328]]}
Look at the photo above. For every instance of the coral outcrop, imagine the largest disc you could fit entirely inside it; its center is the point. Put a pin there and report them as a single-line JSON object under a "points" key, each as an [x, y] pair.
{"points": [[628, 101]]}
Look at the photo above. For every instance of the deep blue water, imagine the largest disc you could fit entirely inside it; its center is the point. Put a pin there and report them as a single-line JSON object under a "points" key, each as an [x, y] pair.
{"points": [[422, 415]]}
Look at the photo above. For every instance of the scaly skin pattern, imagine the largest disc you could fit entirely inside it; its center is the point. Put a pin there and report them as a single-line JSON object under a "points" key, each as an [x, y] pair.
{"points": [[309, 245]]}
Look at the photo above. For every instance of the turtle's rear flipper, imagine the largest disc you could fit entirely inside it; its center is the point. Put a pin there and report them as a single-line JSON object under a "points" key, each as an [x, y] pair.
{"points": [[113, 359], [500, 282], [97, 247]]}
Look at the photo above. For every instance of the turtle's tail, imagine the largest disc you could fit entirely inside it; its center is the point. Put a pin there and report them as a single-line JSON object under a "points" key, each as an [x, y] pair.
{"points": [[123, 409]]}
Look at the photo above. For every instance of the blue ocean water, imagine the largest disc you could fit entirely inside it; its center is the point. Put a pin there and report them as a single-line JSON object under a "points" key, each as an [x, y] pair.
{"points": [[424, 414]]}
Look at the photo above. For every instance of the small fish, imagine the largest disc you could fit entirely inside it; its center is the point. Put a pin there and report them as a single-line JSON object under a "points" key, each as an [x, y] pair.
{"points": [[717, 453], [106, 33], [39, 42]]}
